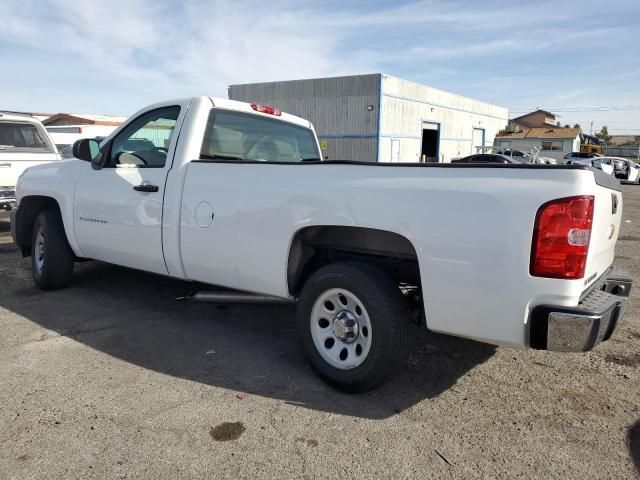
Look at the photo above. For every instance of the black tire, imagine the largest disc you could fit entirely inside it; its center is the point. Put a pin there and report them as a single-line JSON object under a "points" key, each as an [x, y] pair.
{"points": [[51, 267], [388, 315]]}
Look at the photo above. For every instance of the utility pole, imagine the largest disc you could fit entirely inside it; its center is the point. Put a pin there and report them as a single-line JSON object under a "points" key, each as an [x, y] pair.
{"points": [[591, 131]]}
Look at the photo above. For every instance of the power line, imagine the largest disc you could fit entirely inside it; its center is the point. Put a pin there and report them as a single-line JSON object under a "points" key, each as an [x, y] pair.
{"points": [[581, 109], [578, 108], [623, 130], [624, 122]]}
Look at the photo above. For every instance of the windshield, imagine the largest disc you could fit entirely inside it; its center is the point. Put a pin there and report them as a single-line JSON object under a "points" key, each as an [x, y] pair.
{"points": [[23, 137], [241, 136]]}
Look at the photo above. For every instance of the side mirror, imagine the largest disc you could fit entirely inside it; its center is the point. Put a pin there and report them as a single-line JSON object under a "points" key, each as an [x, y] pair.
{"points": [[86, 149]]}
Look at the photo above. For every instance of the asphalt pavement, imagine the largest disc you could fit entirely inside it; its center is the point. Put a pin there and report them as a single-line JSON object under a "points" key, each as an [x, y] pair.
{"points": [[114, 378]]}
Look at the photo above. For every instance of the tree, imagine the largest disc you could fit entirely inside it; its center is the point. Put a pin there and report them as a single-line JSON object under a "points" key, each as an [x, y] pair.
{"points": [[558, 123], [567, 125], [603, 134], [577, 125]]}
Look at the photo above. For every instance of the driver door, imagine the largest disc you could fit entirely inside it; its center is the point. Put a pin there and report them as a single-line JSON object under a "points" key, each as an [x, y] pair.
{"points": [[118, 209]]}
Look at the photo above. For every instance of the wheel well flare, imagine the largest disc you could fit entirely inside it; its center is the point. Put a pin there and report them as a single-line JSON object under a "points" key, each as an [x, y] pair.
{"points": [[314, 247]]}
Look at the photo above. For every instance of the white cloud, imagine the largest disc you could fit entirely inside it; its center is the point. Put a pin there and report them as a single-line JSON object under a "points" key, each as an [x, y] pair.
{"points": [[175, 49], [115, 56]]}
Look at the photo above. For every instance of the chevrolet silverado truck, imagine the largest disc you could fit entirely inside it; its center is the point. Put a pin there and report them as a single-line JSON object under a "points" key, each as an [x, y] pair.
{"points": [[23, 143], [235, 195]]}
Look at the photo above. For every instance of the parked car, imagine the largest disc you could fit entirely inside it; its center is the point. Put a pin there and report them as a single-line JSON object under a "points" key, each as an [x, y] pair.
{"points": [[236, 195], [527, 157], [519, 155], [23, 143], [65, 150], [605, 166], [624, 169], [485, 158], [547, 160], [572, 155]]}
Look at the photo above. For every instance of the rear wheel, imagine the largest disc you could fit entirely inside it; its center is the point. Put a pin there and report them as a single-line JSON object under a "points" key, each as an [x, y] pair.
{"points": [[353, 321], [51, 256]]}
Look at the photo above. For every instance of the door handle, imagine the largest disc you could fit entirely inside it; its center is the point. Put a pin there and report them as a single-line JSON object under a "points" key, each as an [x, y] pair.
{"points": [[145, 187]]}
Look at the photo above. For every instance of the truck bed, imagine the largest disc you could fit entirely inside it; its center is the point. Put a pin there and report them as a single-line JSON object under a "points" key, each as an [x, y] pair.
{"points": [[470, 225]]}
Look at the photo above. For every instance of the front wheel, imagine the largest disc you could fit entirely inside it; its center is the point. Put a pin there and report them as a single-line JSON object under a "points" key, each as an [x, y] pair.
{"points": [[354, 324], [51, 256]]}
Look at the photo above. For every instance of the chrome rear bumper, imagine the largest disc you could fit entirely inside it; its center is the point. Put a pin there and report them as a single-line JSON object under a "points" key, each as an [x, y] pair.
{"points": [[581, 328]]}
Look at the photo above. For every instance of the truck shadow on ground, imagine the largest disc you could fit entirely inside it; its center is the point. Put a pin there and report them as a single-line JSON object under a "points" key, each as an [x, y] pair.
{"points": [[634, 444], [133, 316]]}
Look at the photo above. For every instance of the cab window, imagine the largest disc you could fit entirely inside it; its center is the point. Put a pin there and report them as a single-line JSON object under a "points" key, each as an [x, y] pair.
{"points": [[145, 142], [23, 137], [245, 137]]}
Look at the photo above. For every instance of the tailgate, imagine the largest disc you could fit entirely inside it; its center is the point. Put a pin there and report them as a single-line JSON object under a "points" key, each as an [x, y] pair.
{"points": [[12, 165], [607, 216], [7, 177]]}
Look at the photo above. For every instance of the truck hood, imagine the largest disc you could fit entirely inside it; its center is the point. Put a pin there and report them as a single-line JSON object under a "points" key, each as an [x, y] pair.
{"points": [[45, 178]]}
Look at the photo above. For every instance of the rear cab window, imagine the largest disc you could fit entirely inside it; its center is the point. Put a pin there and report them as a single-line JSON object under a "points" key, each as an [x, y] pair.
{"points": [[241, 136], [23, 137]]}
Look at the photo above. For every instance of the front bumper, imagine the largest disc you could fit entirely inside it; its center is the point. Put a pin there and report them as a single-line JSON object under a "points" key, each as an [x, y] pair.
{"points": [[581, 328]]}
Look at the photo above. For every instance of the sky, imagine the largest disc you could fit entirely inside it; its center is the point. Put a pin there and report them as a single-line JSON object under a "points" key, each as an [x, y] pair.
{"points": [[114, 57]]}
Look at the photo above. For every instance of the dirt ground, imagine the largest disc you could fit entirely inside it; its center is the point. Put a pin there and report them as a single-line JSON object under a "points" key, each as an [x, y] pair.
{"points": [[114, 378]]}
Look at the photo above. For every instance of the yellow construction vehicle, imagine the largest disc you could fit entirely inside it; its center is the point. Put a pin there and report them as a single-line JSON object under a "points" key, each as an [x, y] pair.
{"points": [[590, 144]]}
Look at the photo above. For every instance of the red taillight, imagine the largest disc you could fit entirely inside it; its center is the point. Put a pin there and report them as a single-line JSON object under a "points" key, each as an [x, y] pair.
{"points": [[561, 238], [266, 109]]}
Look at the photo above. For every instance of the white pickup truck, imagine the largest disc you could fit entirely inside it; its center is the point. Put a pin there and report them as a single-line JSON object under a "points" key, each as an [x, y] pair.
{"points": [[235, 195], [23, 143]]}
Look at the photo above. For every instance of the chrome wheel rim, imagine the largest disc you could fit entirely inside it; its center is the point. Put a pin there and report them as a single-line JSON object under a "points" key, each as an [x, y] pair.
{"points": [[39, 250], [341, 328]]}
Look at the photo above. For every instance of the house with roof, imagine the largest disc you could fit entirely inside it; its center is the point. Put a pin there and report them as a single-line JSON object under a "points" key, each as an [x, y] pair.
{"points": [[539, 118], [552, 141], [66, 128]]}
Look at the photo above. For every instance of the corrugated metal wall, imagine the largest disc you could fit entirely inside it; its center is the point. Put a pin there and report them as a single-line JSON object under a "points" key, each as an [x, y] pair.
{"points": [[343, 110], [628, 151], [158, 134], [345, 113]]}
